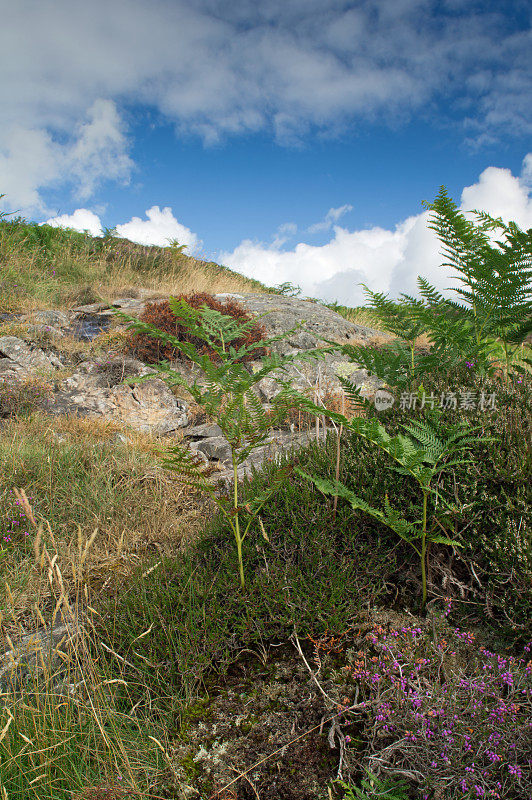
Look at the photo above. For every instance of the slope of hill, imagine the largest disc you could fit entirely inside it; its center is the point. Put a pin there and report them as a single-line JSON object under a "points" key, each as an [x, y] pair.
{"points": [[46, 267]]}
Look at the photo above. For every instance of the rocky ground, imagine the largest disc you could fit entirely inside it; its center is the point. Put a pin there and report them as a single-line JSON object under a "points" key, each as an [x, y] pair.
{"points": [[97, 386]]}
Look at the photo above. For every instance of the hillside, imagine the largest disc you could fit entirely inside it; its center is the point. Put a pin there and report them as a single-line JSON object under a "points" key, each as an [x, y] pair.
{"points": [[46, 267], [213, 586]]}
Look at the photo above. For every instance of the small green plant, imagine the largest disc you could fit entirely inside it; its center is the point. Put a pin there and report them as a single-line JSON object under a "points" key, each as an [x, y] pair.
{"points": [[177, 248], [227, 397], [287, 289], [373, 788], [431, 448]]}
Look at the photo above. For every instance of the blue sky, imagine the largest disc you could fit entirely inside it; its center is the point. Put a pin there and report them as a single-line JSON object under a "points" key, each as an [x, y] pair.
{"points": [[292, 140]]}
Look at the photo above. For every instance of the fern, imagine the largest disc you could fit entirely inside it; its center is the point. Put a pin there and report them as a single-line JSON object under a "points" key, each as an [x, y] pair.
{"points": [[374, 788], [431, 448], [495, 282], [227, 395]]}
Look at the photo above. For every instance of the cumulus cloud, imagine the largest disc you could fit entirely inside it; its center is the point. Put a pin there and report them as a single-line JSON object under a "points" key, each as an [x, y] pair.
{"points": [[386, 260], [332, 216], [80, 220], [221, 69], [159, 228], [31, 159], [100, 150]]}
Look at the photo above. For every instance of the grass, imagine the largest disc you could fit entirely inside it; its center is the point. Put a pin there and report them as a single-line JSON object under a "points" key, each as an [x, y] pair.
{"points": [[171, 652], [45, 267], [169, 623]]}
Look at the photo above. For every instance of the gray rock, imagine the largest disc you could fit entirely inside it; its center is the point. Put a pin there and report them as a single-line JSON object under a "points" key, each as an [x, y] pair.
{"points": [[204, 431], [57, 319], [267, 389], [216, 448], [98, 389], [279, 443], [284, 313], [31, 359], [92, 308], [22, 665], [10, 370]]}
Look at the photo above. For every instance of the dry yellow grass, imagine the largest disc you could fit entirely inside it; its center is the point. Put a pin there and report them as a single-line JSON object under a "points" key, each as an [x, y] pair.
{"points": [[47, 721], [71, 277], [160, 515]]}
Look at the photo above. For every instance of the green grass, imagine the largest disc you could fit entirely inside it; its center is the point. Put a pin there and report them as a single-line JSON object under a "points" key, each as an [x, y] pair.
{"points": [[50, 267], [182, 625], [314, 573]]}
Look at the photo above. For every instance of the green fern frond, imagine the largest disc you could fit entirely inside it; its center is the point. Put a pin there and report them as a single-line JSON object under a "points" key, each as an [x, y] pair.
{"points": [[190, 468], [374, 788]]}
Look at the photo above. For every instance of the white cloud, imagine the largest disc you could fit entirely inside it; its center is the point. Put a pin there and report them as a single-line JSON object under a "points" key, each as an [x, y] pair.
{"points": [[80, 220], [332, 216], [159, 228], [284, 232], [100, 149], [526, 172], [386, 260], [31, 159], [218, 69]]}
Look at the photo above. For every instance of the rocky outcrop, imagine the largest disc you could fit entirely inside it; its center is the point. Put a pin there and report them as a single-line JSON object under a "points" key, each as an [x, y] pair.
{"points": [[25, 358], [100, 389], [284, 313]]}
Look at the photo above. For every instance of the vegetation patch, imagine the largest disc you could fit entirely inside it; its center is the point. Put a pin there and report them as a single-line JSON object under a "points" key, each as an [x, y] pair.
{"points": [[161, 316]]}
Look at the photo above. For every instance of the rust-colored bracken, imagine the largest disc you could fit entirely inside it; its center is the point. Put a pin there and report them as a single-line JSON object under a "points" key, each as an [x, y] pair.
{"points": [[151, 350]]}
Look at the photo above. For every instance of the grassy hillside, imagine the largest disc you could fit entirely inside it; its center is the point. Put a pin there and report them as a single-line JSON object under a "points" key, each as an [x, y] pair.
{"points": [[44, 267], [329, 663]]}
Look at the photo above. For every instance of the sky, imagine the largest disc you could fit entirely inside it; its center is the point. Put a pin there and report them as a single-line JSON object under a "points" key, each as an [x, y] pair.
{"points": [[291, 140]]}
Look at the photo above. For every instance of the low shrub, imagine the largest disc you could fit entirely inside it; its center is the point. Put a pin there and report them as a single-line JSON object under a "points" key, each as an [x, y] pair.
{"points": [[452, 716], [159, 314]]}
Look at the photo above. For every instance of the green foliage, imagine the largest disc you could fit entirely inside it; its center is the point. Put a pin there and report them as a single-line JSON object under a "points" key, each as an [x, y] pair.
{"points": [[374, 788], [227, 396], [431, 448], [487, 323], [287, 289], [495, 282], [312, 574]]}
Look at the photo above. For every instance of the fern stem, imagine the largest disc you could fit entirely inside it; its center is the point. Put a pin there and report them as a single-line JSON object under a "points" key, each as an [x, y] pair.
{"points": [[507, 359], [236, 529], [424, 549]]}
